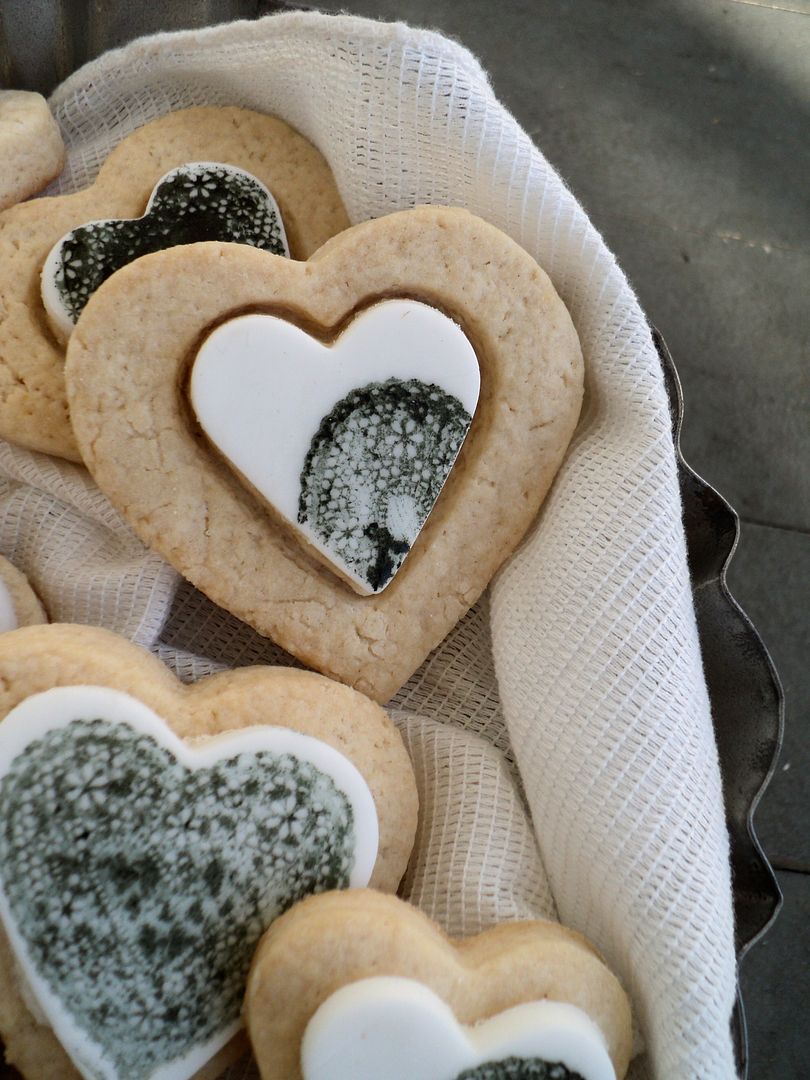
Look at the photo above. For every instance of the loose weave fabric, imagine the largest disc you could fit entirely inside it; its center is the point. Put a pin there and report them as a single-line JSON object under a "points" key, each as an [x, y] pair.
{"points": [[561, 735]]}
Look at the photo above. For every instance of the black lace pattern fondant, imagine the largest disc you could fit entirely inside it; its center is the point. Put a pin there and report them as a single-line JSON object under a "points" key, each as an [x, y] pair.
{"points": [[374, 470], [141, 887], [195, 202]]}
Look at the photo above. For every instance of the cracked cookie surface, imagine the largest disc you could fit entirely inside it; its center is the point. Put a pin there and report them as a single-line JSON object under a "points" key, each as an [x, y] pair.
{"points": [[138, 438], [33, 408], [119, 894]]}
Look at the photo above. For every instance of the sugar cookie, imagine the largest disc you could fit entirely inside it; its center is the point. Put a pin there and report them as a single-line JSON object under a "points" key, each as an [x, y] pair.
{"points": [[357, 438], [350, 443], [200, 200], [153, 831], [372, 990]]}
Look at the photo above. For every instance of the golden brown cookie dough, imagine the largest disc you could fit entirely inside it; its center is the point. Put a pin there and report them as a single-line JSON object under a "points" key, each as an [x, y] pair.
{"points": [[33, 410], [31, 149], [137, 436], [34, 659], [329, 941], [19, 604]]}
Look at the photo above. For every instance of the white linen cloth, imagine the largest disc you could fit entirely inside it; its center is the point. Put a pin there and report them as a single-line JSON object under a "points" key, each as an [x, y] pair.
{"points": [[578, 679]]}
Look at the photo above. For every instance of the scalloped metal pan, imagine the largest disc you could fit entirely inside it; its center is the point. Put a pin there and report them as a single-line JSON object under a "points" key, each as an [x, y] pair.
{"points": [[744, 690]]}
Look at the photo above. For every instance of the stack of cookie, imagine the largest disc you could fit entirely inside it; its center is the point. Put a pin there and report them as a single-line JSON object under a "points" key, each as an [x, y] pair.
{"points": [[337, 434]]}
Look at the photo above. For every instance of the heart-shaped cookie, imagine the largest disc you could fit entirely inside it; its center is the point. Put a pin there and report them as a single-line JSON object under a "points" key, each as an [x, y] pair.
{"points": [[33, 410], [374, 991], [201, 200], [349, 442], [127, 369], [153, 832]]}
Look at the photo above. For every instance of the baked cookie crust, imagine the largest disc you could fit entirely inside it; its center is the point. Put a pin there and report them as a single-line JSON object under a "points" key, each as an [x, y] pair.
{"points": [[35, 659], [126, 372], [328, 941], [33, 409]]}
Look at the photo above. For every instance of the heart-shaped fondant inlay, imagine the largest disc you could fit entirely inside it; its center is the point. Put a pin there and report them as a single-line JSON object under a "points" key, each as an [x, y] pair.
{"points": [[390, 1028], [137, 872], [200, 201], [351, 442]]}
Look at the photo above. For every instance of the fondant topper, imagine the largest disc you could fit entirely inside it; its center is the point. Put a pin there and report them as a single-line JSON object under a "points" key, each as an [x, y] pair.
{"points": [[373, 990], [139, 866], [137, 871], [201, 200], [351, 442]]}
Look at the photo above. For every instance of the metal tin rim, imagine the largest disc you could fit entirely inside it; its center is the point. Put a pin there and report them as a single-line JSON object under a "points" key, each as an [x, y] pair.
{"points": [[748, 725]]}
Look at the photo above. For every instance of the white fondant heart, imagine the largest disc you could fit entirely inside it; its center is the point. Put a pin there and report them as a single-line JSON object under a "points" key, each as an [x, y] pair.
{"points": [[350, 442], [389, 1028], [137, 870], [202, 200], [8, 616]]}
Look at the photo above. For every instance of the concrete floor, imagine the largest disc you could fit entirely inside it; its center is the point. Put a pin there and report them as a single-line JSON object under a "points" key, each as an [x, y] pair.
{"points": [[679, 124]]}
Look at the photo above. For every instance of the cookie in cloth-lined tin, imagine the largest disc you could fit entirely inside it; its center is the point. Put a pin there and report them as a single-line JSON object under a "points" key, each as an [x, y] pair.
{"points": [[373, 990], [341, 452], [153, 830], [33, 409]]}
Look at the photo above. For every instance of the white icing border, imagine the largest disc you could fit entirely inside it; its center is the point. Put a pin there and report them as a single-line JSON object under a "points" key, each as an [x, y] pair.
{"points": [[60, 706], [51, 300], [392, 1028], [266, 435]]}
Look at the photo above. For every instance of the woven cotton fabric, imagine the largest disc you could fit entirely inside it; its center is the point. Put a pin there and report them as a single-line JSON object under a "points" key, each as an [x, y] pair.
{"points": [[561, 735]]}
